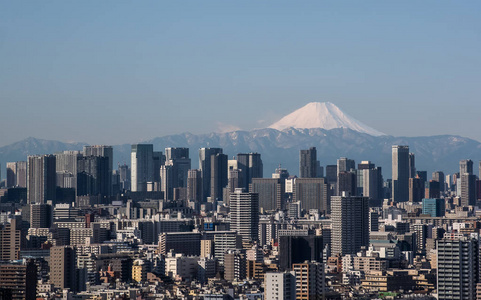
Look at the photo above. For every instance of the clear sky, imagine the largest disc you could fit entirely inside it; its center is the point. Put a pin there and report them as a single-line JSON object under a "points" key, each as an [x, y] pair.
{"points": [[124, 71]]}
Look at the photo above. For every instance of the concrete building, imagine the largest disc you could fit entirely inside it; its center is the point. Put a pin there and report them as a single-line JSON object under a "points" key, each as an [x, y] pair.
{"points": [[62, 267], [350, 224], [400, 173], [280, 286], [271, 193], [244, 214], [142, 166], [16, 174], [312, 193], [205, 168], [10, 240], [310, 283], [434, 207], [251, 166], [41, 178], [20, 278], [194, 185], [308, 163]]}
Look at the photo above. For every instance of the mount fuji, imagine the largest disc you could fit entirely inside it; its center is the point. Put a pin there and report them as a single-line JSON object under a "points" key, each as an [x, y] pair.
{"points": [[323, 115]]}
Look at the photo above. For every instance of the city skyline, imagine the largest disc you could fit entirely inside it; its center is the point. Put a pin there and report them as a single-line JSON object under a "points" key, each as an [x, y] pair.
{"points": [[402, 68]]}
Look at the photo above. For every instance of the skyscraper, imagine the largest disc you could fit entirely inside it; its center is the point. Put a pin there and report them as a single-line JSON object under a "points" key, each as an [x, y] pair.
{"points": [[166, 181], [412, 165], [458, 266], [468, 189], [244, 210], [251, 166], [16, 174], [297, 249], [466, 166], [416, 189], [308, 163], [400, 173], [439, 177], [372, 185], [10, 240], [312, 193], [108, 153], [434, 207], [142, 166], [66, 168], [218, 176], [347, 183], [194, 185], [41, 179], [179, 159], [350, 224], [62, 267], [93, 176], [309, 280], [205, 168], [270, 191]]}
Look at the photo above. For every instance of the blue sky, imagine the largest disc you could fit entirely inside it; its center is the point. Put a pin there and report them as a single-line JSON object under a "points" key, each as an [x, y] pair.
{"points": [[124, 71]]}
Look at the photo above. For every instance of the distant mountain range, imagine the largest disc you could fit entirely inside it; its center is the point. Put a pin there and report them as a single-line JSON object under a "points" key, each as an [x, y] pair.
{"points": [[349, 138]]}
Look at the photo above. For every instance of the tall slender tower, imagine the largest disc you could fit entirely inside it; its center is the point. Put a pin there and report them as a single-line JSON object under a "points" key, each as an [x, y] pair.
{"points": [[218, 175], [41, 179], [142, 166], [205, 168], [466, 166], [244, 209], [308, 163], [251, 166], [108, 153], [400, 173], [412, 165]]}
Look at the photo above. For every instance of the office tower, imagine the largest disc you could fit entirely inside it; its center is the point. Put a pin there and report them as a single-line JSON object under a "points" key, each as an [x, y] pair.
{"points": [[308, 163], [412, 165], [108, 153], [312, 193], [251, 166], [205, 168], [235, 265], [62, 267], [124, 177], [93, 178], [457, 265], [270, 191], [468, 189], [416, 189], [434, 207], [466, 166], [16, 174], [224, 241], [432, 190], [439, 177], [66, 168], [310, 283], [400, 173], [218, 175], [365, 165], [41, 179], [234, 178], [372, 185], [40, 215], [320, 170], [10, 240], [187, 243], [331, 174], [158, 160], [423, 175], [194, 185], [345, 164], [280, 285], [347, 183], [281, 173], [166, 181], [20, 278], [179, 159], [142, 166], [297, 249], [373, 221], [350, 224], [244, 218]]}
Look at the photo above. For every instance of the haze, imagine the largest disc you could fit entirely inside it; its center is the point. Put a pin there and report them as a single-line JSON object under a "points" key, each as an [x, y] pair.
{"points": [[114, 72]]}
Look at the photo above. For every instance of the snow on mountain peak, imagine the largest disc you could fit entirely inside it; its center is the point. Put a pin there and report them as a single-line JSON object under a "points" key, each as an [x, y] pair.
{"points": [[322, 115]]}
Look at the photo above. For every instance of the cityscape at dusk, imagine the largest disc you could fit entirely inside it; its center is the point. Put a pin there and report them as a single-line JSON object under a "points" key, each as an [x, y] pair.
{"points": [[240, 150]]}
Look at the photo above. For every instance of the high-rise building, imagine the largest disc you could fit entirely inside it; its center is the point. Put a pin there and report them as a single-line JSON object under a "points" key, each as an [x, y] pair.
{"points": [[194, 185], [244, 218], [20, 278], [308, 163], [41, 178], [62, 267], [346, 182], [310, 283], [400, 173], [416, 189], [16, 174], [66, 168], [124, 177], [251, 166], [270, 191], [142, 166], [40, 215], [93, 177], [350, 224], [179, 159], [467, 183], [106, 152], [10, 240], [439, 177], [372, 185], [280, 285], [412, 165], [457, 266], [466, 166], [235, 265], [299, 248], [218, 176], [166, 181], [312, 193], [432, 189], [434, 207], [205, 168], [158, 160]]}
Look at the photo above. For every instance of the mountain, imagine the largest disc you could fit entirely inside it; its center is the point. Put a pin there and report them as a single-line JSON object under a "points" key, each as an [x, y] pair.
{"points": [[323, 115], [433, 153]]}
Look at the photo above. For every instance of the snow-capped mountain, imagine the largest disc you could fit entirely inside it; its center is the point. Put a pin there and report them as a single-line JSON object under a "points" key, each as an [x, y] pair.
{"points": [[322, 115]]}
